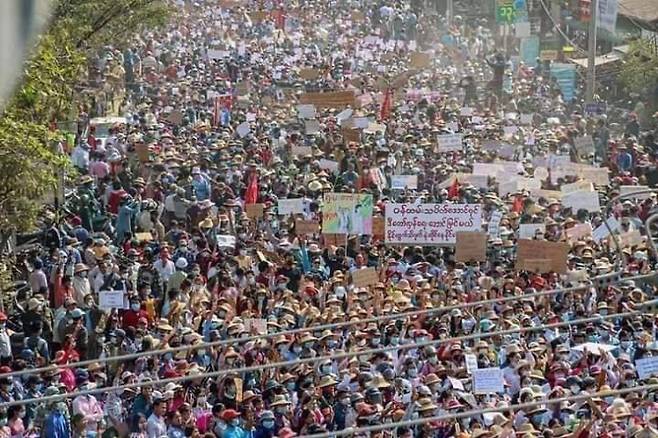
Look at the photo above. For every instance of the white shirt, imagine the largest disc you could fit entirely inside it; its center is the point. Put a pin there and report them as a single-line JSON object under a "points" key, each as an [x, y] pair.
{"points": [[165, 269], [156, 427], [80, 157]]}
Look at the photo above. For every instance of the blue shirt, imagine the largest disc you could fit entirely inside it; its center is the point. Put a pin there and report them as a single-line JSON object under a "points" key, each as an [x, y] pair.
{"points": [[56, 426], [234, 432]]}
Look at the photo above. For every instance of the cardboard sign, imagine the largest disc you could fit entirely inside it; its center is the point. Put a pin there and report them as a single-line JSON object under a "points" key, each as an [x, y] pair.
{"points": [[238, 389], [254, 211], [242, 88], [488, 381], [351, 135], [419, 60], [578, 186], [471, 246], [601, 232], [449, 143], [311, 127], [629, 239], [255, 326], [365, 277], [329, 99], [332, 239], [358, 16], [378, 227], [552, 256], [306, 227], [578, 232], [142, 151], [309, 74], [529, 231], [626, 190], [143, 237], [111, 299], [548, 55]]}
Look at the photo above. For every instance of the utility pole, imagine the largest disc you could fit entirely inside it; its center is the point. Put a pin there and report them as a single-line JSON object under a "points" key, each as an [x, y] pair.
{"points": [[450, 13], [591, 53]]}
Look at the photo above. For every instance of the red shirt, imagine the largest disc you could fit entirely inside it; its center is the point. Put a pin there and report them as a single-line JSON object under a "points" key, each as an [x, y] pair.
{"points": [[130, 317], [114, 200]]}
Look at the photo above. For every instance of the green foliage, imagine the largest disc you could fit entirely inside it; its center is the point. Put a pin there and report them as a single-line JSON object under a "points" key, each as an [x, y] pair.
{"points": [[28, 161], [640, 70]]}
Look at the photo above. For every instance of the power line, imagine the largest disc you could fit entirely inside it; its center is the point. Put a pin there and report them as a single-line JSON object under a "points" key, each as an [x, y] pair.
{"points": [[613, 277], [310, 360]]}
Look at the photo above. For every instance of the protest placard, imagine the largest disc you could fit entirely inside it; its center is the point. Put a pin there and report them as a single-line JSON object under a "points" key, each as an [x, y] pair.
{"points": [[493, 227], [306, 111], [225, 241], [243, 129], [404, 182], [351, 135], [175, 118], [309, 73], [628, 190], [347, 213], [582, 200], [144, 237], [471, 362], [334, 239], [526, 119], [488, 380], [419, 60], [330, 165], [357, 16], [629, 239], [578, 186], [449, 143], [529, 231], [647, 367], [311, 127], [258, 16], [303, 227], [471, 246], [479, 181], [546, 194], [584, 145], [290, 206], [329, 99], [378, 227], [255, 326], [430, 224], [365, 277], [301, 151], [456, 384], [578, 232], [254, 211], [111, 299], [552, 256], [603, 231]]}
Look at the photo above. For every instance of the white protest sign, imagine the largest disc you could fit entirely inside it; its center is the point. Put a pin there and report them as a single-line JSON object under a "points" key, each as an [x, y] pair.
{"points": [[578, 231], [601, 232], [243, 129], [301, 151], [647, 367], [330, 165], [430, 224], [343, 115], [466, 112], [306, 111], [404, 182], [225, 241], [456, 384], [471, 362], [251, 117], [594, 348], [625, 190], [488, 380], [584, 145], [111, 299], [526, 119], [449, 142], [493, 228], [290, 206], [578, 186], [582, 200], [509, 131], [529, 231], [311, 127], [361, 122]]}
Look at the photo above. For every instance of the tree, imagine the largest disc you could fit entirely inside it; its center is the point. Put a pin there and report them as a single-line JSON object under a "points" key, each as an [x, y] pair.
{"points": [[639, 72], [29, 162]]}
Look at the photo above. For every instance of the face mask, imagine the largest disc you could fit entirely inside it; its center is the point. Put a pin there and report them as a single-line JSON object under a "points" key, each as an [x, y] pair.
{"points": [[421, 339], [235, 422], [434, 360], [625, 344], [575, 389], [395, 340], [375, 341], [332, 344], [325, 369], [538, 418], [297, 348], [268, 424], [83, 275], [412, 372], [135, 307], [280, 410], [290, 386]]}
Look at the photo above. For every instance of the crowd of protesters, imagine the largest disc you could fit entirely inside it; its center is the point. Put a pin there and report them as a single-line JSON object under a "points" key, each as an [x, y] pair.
{"points": [[160, 213]]}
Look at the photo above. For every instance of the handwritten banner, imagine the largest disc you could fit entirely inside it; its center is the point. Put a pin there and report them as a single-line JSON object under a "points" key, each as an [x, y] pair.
{"points": [[542, 256], [449, 143], [330, 99], [430, 224], [471, 246]]}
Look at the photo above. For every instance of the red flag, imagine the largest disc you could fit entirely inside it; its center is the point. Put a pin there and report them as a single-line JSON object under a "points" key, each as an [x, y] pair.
{"points": [[387, 105], [453, 191], [251, 196], [517, 206]]}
